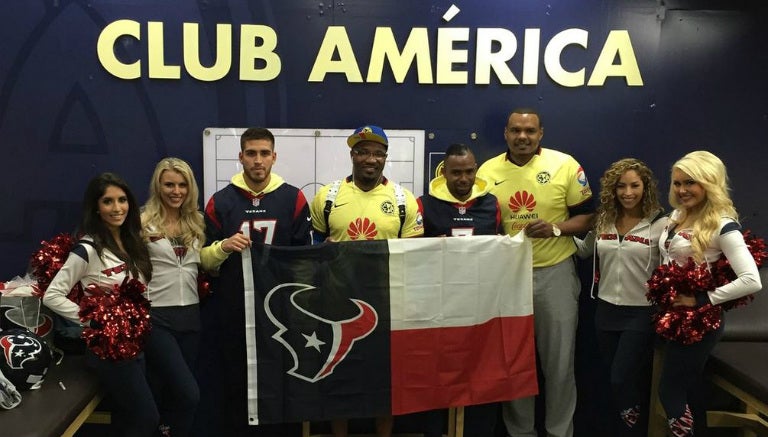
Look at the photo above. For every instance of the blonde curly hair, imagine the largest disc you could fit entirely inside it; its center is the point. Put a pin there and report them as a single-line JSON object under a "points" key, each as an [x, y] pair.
{"points": [[153, 216], [707, 170], [609, 208]]}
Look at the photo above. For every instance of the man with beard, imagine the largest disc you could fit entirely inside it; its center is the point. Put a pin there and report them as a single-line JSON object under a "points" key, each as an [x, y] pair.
{"points": [[365, 206], [544, 193], [274, 213]]}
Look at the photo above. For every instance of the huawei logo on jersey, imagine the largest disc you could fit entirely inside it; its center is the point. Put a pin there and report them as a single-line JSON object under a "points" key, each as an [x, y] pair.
{"points": [[522, 200], [362, 229]]}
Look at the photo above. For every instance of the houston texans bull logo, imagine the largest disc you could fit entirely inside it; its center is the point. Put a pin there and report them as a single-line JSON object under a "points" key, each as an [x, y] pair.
{"points": [[316, 344], [40, 324], [18, 348]]}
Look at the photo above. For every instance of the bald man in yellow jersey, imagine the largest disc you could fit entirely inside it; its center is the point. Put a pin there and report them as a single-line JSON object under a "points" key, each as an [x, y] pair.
{"points": [[544, 193]]}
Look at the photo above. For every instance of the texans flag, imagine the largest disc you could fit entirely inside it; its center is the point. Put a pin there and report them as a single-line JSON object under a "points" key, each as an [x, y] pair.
{"points": [[372, 328]]}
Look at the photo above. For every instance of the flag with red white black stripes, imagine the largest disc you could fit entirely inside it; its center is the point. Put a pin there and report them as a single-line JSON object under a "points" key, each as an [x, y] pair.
{"points": [[365, 329]]}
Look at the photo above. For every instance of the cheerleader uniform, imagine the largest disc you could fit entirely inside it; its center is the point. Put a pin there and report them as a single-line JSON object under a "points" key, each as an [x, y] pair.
{"points": [[134, 412], [684, 364]]}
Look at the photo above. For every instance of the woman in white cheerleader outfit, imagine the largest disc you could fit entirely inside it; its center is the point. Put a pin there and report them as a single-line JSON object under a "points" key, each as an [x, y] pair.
{"points": [[174, 233], [110, 251], [703, 226]]}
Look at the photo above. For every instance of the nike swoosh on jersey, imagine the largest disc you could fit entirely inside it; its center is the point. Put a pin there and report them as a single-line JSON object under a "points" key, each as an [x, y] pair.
{"points": [[499, 182], [338, 205]]}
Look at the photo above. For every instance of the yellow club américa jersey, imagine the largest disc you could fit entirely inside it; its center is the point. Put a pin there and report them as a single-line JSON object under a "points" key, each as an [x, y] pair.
{"points": [[544, 188], [366, 215]]}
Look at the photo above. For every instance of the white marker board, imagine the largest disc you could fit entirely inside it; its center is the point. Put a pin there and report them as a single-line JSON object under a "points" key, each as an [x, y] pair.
{"points": [[311, 158]]}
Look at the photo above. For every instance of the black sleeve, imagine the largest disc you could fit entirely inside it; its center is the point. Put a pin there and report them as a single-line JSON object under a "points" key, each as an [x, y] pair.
{"points": [[730, 226], [80, 250], [586, 207]]}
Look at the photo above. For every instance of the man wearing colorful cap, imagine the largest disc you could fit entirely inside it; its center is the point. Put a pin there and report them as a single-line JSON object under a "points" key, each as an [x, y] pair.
{"points": [[365, 206]]}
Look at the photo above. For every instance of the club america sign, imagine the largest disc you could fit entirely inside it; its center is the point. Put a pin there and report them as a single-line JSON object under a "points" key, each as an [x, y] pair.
{"points": [[438, 56]]}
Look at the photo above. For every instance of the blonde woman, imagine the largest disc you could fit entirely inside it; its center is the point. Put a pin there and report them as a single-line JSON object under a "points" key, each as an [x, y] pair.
{"points": [[703, 226], [174, 232], [626, 242]]}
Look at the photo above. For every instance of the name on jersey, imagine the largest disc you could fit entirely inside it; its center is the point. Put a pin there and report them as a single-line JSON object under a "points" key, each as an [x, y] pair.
{"points": [[633, 238], [120, 268], [255, 211], [637, 239]]}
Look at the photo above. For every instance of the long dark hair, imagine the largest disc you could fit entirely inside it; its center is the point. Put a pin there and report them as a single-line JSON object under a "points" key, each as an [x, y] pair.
{"points": [[136, 254]]}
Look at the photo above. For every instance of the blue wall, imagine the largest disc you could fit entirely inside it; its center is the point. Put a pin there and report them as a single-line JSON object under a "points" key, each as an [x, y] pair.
{"points": [[64, 118]]}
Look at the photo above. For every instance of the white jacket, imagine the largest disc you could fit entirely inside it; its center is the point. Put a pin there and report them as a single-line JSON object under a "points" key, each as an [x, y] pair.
{"points": [[626, 264], [174, 276], [729, 243], [85, 266]]}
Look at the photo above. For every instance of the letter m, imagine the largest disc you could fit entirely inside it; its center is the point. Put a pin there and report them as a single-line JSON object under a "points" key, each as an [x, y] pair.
{"points": [[385, 46]]}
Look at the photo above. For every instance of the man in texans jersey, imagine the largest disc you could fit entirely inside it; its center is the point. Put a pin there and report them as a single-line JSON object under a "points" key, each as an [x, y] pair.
{"points": [[459, 203], [544, 193], [273, 212], [365, 206]]}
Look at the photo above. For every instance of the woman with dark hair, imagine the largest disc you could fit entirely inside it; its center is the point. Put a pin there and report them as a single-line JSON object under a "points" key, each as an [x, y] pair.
{"points": [[174, 232], [625, 240], [110, 250]]}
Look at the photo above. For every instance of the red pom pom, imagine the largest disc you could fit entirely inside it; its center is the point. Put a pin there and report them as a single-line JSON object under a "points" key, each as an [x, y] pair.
{"points": [[203, 285], [48, 260], [686, 324], [667, 281], [121, 317], [723, 273], [756, 246]]}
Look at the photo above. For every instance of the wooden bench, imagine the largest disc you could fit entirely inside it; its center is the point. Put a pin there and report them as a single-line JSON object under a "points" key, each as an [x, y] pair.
{"points": [[53, 411], [739, 368], [737, 365]]}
